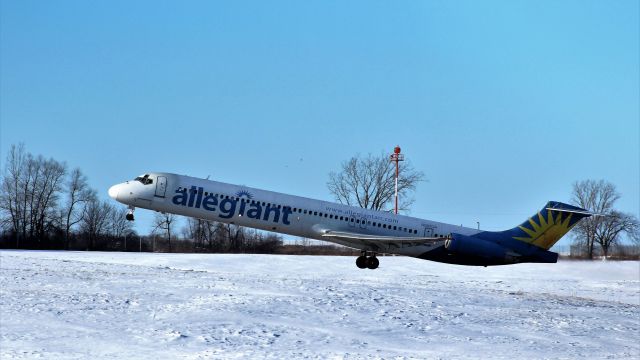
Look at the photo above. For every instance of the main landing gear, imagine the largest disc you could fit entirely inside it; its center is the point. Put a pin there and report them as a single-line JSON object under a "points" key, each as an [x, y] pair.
{"points": [[130, 213], [371, 262]]}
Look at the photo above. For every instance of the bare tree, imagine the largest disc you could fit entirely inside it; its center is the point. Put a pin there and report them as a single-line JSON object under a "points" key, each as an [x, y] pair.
{"points": [[612, 226], [24, 195], [96, 220], [164, 222], [31, 188], [195, 229], [119, 226], [78, 195], [202, 232], [44, 193], [605, 228], [369, 182], [12, 194], [236, 237], [596, 196]]}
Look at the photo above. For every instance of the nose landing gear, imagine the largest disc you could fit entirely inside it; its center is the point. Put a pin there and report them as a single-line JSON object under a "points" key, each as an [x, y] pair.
{"points": [[371, 262], [130, 213]]}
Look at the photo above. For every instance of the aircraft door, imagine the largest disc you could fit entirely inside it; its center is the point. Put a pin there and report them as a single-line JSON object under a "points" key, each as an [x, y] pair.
{"points": [[161, 186], [363, 222], [428, 231]]}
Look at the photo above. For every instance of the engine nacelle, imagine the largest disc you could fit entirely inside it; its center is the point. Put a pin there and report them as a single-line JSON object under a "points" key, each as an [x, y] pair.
{"points": [[475, 247]]}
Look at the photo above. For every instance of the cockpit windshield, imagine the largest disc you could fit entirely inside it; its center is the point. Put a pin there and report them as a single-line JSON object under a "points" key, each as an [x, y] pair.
{"points": [[144, 179]]}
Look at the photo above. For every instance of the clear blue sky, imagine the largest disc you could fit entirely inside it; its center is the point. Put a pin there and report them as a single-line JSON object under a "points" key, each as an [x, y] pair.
{"points": [[503, 104]]}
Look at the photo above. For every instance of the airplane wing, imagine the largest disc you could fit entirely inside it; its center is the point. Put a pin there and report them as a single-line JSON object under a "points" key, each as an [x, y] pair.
{"points": [[380, 242]]}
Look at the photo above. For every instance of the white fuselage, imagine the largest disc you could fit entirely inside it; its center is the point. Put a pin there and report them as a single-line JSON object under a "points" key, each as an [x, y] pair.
{"points": [[277, 212]]}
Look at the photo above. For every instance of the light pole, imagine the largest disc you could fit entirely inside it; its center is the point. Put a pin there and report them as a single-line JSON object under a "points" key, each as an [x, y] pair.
{"points": [[397, 157]]}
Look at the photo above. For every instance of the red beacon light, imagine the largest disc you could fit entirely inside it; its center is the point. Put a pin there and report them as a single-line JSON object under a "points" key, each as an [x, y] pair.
{"points": [[396, 150]]}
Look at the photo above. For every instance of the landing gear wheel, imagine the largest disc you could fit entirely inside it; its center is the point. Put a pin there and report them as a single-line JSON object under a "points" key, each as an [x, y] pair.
{"points": [[129, 216], [372, 262], [361, 262]]}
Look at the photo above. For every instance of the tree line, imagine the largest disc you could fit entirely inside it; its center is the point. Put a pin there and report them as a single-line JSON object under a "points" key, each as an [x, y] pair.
{"points": [[368, 182], [604, 230], [44, 205]]}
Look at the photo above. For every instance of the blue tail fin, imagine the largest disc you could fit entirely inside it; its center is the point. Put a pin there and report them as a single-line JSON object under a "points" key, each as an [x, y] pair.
{"points": [[550, 224]]}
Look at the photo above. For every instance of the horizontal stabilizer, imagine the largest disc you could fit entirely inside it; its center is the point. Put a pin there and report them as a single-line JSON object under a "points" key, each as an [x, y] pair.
{"points": [[566, 208]]}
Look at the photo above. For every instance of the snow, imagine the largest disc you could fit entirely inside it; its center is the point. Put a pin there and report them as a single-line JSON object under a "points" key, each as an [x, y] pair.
{"points": [[80, 305]]}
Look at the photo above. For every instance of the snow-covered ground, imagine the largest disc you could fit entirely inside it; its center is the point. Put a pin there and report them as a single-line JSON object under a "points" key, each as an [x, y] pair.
{"points": [[89, 305]]}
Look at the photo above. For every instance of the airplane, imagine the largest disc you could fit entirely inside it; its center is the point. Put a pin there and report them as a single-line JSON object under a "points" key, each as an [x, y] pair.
{"points": [[372, 232]]}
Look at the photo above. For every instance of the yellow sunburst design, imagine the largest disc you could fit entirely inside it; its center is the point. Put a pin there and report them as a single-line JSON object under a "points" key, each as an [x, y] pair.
{"points": [[548, 232]]}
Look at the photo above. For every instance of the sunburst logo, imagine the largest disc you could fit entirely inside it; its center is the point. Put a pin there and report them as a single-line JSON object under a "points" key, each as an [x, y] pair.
{"points": [[244, 193], [547, 231]]}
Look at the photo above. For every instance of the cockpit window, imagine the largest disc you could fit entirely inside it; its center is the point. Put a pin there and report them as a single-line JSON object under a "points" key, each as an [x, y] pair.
{"points": [[144, 179]]}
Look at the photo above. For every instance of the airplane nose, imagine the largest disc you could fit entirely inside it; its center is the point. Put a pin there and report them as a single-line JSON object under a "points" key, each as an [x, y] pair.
{"points": [[113, 192]]}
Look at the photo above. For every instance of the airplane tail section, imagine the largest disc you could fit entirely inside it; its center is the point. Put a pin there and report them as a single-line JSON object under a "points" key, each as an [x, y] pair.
{"points": [[548, 225], [528, 242]]}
